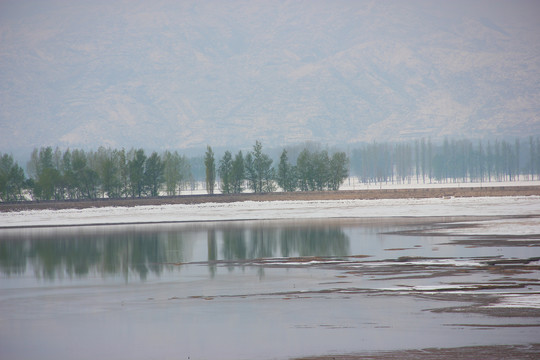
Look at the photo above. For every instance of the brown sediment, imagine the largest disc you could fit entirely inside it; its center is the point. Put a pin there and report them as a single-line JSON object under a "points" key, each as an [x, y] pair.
{"points": [[501, 352], [479, 296], [513, 261], [373, 194], [479, 241]]}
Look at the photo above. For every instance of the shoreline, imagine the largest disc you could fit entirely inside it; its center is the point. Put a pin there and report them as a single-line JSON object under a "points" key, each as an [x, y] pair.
{"points": [[393, 220], [371, 194], [518, 351]]}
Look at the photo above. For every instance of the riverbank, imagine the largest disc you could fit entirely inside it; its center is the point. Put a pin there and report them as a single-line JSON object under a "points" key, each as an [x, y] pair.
{"points": [[371, 194], [298, 209]]}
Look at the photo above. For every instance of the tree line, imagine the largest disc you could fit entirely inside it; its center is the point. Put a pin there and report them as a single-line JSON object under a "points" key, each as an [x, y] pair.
{"points": [[112, 173], [313, 171], [462, 160], [77, 174]]}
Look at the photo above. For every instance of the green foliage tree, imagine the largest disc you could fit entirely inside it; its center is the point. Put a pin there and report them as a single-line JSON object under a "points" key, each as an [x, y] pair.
{"points": [[68, 178], [123, 166], [176, 170], [135, 166], [260, 173], [304, 170], [286, 173], [11, 179], [45, 186], [321, 170], [110, 170], [238, 173], [153, 174], [225, 172], [338, 170], [251, 174], [86, 178], [317, 171], [210, 166], [46, 176]]}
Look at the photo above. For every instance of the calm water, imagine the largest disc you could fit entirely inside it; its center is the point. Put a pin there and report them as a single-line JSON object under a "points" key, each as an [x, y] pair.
{"points": [[232, 290]]}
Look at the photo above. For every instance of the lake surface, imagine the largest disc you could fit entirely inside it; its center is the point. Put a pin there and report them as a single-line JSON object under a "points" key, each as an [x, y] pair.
{"points": [[254, 289]]}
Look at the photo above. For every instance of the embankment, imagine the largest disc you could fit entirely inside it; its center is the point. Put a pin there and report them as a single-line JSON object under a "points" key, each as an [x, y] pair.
{"points": [[281, 196]]}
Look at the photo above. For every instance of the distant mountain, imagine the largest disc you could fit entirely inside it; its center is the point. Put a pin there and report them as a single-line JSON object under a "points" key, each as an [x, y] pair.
{"points": [[181, 74]]}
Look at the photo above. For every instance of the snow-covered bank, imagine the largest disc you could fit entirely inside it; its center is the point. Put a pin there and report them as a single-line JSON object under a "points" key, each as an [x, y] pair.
{"points": [[485, 206], [353, 183]]}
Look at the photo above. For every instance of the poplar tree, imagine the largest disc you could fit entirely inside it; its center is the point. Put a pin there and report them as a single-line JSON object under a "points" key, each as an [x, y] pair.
{"points": [[339, 164], [286, 174], [173, 171], [305, 171], [210, 165], [153, 174], [238, 173], [11, 179], [260, 173], [225, 172], [136, 172]]}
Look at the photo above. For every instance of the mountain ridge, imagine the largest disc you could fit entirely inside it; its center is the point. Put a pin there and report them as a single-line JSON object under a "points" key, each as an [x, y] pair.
{"points": [[185, 74]]}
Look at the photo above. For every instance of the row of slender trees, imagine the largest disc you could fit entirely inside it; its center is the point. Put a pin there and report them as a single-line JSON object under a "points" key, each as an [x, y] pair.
{"points": [[450, 161], [113, 173], [76, 174], [313, 171]]}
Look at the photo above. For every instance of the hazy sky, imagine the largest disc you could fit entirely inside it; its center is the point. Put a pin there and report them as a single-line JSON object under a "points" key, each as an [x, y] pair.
{"points": [[182, 74]]}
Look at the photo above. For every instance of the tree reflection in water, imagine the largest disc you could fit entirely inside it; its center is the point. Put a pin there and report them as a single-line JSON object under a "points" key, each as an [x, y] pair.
{"points": [[60, 253], [57, 255]]}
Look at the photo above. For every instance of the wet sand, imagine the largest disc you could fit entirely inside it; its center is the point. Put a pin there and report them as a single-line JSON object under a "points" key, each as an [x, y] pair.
{"points": [[523, 352]]}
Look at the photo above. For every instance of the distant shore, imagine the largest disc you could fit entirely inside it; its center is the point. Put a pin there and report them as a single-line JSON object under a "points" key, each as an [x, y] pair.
{"points": [[372, 194]]}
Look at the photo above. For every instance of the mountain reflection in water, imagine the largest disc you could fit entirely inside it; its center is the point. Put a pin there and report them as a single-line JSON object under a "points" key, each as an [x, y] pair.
{"points": [[56, 253]]}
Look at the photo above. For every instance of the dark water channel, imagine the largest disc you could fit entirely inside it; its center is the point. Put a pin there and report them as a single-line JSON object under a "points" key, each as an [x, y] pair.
{"points": [[241, 290]]}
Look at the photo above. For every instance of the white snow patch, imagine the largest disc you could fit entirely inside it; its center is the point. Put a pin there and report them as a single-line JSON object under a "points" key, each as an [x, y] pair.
{"points": [[524, 227], [353, 183], [519, 301], [428, 287], [424, 262], [251, 210], [298, 263], [445, 262]]}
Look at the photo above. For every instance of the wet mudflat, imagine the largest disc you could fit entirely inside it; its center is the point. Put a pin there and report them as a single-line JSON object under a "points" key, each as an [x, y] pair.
{"points": [[344, 288]]}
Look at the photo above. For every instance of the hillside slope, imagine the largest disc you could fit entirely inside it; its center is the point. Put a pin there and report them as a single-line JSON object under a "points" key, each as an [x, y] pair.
{"points": [[169, 74]]}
